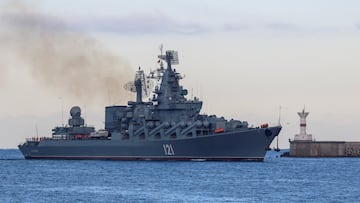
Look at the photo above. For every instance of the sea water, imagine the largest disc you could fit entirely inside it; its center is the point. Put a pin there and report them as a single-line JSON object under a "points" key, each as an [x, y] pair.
{"points": [[274, 180]]}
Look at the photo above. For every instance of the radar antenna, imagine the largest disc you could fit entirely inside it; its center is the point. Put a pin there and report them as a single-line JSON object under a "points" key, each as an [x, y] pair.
{"points": [[161, 53], [171, 57], [141, 85]]}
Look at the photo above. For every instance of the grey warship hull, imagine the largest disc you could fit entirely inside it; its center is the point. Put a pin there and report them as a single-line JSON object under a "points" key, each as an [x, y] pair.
{"points": [[249, 145], [169, 126]]}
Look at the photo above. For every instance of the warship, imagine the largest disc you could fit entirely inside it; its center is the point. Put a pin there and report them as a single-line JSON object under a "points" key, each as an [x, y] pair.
{"points": [[169, 126]]}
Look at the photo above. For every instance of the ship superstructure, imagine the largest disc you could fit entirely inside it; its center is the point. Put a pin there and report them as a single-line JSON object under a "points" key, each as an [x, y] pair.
{"points": [[167, 127]]}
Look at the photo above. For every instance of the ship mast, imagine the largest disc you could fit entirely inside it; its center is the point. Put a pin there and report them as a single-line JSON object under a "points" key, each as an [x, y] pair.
{"points": [[277, 149], [161, 53]]}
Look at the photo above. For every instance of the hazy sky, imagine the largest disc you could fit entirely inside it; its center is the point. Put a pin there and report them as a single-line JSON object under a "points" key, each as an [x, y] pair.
{"points": [[242, 58]]}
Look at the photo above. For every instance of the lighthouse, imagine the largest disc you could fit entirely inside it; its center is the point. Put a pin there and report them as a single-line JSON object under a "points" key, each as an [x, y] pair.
{"points": [[303, 136]]}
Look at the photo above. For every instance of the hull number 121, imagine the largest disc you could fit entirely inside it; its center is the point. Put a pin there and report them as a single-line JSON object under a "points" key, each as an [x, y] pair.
{"points": [[168, 149]]}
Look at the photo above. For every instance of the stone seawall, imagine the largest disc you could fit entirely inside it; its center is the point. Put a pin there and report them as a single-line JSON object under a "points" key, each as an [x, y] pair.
{"points": [[324, 149]]}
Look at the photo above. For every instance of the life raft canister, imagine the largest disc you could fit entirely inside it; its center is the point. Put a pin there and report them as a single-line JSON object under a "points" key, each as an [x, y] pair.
{"points": [[219, 130]]}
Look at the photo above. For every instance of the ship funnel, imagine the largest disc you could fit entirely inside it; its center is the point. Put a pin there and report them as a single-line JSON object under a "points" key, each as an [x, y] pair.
{"points": [[138, 88]]}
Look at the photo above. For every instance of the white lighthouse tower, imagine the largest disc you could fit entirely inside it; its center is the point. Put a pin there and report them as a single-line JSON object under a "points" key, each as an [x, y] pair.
{"points": [[303, 136]]}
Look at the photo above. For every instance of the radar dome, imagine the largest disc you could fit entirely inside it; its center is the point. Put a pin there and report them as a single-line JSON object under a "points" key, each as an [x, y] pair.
{"points": [[75, 111]]}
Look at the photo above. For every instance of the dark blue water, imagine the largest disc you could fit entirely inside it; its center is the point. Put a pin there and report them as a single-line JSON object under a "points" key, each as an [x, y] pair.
{"points": [[275, 180]]}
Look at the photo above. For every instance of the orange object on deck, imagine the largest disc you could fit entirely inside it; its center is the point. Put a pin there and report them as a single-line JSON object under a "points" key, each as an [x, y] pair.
{"points": [[265, 125], [219, 130]]}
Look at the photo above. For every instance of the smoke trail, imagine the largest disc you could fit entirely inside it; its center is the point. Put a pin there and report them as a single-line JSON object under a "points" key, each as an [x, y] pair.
{"points": [[60, 59]]}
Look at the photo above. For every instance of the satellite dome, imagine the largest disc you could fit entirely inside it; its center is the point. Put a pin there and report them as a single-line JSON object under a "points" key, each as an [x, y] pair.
{"points": [[75, 111]]}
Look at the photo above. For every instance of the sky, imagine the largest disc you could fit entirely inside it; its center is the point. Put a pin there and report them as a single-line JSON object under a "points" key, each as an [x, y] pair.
{"points": [[244, 59]]}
